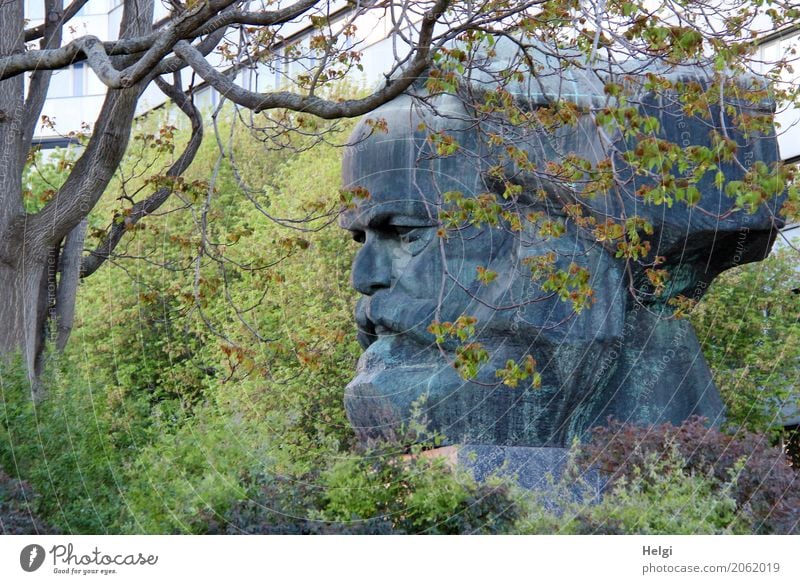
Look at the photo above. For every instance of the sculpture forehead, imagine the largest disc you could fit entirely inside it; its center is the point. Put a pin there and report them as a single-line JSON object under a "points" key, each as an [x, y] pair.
{"points": [[400, 210], [401, 169]]}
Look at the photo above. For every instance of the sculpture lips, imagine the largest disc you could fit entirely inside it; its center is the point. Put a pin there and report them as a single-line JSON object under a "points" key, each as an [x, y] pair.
{"points": [[366, 328], [379, 316]]}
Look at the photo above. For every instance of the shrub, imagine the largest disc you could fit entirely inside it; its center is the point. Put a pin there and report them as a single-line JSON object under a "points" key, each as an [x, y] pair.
{"points": [[743, 465], [416, 494], [281, 505], [61, 446], [658, 497], [376, 493], [184, 478]]}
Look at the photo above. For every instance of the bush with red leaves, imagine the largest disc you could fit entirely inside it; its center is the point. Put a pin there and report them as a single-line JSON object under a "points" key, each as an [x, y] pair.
{"points": [[766, 487]]}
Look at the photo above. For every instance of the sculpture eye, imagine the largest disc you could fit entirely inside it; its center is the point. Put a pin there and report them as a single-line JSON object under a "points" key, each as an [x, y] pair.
{"points": [[359, 236], [407, 234], [413, 239]]}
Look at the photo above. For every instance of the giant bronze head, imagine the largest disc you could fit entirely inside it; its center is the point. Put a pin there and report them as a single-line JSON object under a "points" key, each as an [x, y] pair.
{"points": [[498, 316]]}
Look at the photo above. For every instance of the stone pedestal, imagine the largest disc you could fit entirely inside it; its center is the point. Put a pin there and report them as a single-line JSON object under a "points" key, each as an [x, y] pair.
{"points": [[535, 468]]}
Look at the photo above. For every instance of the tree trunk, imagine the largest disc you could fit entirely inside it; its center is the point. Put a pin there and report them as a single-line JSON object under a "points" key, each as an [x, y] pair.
{"points": [[21, 267], [69, 265], [38, 279], [20, 307]]}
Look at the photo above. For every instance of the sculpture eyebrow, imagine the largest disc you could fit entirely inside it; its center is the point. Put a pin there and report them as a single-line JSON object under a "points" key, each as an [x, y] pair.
{"points": [[384, 214], [409, 221], [387, 217]]}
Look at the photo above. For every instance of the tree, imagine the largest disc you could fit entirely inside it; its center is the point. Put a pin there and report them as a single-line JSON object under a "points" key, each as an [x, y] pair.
{"points": [[749, 327], [40, 252]]}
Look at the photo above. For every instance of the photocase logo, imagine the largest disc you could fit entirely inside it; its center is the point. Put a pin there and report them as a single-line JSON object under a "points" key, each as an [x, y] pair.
{"points": [[31, 557]]}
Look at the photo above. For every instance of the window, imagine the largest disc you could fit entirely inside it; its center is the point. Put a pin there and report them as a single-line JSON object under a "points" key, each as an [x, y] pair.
{"points": [[34, 9], [79, 79], [69, 82], [60, 84]]}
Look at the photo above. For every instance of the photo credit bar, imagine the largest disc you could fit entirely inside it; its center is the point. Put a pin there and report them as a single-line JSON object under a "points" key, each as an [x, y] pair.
{"points": [[400, 559]]}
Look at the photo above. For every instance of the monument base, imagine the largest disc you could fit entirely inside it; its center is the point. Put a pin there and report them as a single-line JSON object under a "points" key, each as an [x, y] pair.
{"points": [[537, 469]]}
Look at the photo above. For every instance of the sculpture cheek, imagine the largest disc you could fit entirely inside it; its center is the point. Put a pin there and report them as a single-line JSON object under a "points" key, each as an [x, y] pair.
{"points": [[400, 260]]}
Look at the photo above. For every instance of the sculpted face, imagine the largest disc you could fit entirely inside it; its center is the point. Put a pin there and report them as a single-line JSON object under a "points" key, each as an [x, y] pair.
{"points": [[411, 272], [623, 356]]}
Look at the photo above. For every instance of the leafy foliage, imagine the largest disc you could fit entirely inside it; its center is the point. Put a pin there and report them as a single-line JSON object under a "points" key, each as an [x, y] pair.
{"points": [[749, 327], [376, 494], [743, 467], [136, 432], [416, 495], [62, 447], [657, 496]]}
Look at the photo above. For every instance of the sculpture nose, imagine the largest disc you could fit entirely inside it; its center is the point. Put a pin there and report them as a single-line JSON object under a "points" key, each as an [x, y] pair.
{"points": [[372, 268]]}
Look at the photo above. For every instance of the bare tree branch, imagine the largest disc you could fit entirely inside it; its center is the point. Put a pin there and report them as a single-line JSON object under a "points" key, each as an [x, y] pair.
{"points": [[144, 208], [178, 28], [205, 46], [197, 22], [40, 80], [96, 166], [311, 104], [37, 32]]}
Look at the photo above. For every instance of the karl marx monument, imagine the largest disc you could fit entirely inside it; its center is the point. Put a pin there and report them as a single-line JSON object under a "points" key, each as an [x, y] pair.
{"points": [[623, 354]]}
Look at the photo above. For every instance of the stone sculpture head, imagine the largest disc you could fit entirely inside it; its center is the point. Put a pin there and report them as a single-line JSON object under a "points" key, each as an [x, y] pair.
{"points": [[616, 357]]}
